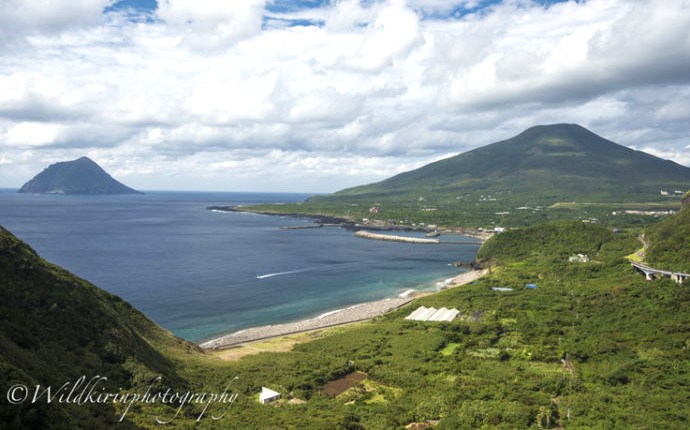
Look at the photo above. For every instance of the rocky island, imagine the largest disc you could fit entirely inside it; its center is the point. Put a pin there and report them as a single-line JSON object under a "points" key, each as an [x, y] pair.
{"points": [[80, 176]]}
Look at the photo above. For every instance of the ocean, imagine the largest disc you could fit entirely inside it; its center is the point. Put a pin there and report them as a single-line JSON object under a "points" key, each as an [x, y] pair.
{"points": [[202, 273]]}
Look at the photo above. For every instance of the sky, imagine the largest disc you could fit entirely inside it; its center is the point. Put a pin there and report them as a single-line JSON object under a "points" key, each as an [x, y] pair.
{"points": [[318, 95]]}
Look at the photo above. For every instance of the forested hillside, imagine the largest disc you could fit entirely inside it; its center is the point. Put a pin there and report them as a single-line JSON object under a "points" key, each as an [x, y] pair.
{"points": [[588, 345], [669, 241], [55, 328]]}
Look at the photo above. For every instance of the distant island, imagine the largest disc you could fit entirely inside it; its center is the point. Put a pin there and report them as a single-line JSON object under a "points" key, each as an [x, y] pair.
{"points": [[80, 176]]}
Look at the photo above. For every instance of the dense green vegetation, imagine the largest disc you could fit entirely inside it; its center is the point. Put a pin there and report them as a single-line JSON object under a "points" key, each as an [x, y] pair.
{"points": [[551, 242], [530, 178], [593, 346], [80, 176], [668, 241]]}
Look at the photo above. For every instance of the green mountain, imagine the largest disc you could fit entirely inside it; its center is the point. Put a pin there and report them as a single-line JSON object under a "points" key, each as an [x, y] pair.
{"points": [[546, 172], [55, 328], [551, 163], [80, 176]]}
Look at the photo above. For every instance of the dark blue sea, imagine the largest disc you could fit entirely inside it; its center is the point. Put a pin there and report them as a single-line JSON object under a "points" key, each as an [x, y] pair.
{"points": [[201, 273]]}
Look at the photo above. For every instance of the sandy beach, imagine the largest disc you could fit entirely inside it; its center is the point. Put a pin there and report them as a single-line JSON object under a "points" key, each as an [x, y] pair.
{"points": [[355, 313]]}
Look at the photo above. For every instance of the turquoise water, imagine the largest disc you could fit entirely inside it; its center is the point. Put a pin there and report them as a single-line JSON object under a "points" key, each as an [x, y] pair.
{"points": [[202, 273]]}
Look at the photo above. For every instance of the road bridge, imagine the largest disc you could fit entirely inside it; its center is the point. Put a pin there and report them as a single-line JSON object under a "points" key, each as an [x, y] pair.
{"points": [[651, 273]]}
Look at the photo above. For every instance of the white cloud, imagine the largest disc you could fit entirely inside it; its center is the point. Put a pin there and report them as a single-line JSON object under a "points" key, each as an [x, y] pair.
{"points": [[209, 94], [227, 99], [675, 110], [391, 36], [31, 134], [327, 105], [345, 15], [570, 49], [41, 96], [25, 17], [210, 24]]}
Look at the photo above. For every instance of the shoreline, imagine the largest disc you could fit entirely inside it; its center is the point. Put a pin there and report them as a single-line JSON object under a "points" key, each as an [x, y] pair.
{"points": [[352, 314], [339, 317], [348, 224]]}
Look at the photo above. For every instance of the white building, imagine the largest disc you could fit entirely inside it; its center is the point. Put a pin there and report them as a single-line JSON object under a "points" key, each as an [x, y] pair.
{"points": [[267, 395], [579, 258]]}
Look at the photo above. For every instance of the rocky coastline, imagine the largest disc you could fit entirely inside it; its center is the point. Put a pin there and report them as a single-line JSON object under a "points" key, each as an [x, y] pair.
{"points": [[350, 225]]}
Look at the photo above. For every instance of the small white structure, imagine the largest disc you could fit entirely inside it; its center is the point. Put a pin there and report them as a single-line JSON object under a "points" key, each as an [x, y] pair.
{"points": [[578, 258], [432, 314], [267, 395]]}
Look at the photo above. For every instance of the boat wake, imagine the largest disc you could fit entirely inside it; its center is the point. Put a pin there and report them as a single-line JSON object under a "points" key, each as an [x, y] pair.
{"points": [[327, 267], [290, 272]]}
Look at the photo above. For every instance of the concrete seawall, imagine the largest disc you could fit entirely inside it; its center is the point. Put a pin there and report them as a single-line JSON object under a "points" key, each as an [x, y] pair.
{"points": [[393, 238]]}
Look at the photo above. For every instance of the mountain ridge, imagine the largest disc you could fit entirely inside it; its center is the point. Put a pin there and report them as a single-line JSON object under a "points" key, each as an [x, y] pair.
{"points": [[546, 172], [570, 150], [80, 176]]}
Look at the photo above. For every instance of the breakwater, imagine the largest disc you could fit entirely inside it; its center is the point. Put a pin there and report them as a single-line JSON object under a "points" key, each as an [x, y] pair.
{"points": [[302, 227], [368, 235]]}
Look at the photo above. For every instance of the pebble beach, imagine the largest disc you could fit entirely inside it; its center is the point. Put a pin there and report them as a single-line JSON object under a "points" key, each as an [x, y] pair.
{"points": [[355, 313]]}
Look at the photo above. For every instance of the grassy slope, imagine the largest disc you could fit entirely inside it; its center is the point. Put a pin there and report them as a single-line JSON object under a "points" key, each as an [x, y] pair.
{"points": [[669, 240]]}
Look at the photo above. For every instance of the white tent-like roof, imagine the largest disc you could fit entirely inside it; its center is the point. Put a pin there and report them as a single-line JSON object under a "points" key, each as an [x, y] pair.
{"points": [[416, 313], [432, 314], [424, 316], [267, 395], [438, 315]]}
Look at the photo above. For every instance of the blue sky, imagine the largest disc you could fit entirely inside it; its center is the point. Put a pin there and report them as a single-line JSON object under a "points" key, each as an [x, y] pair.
{"points": [[293, 5], [315, 96], [285, 6]]}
